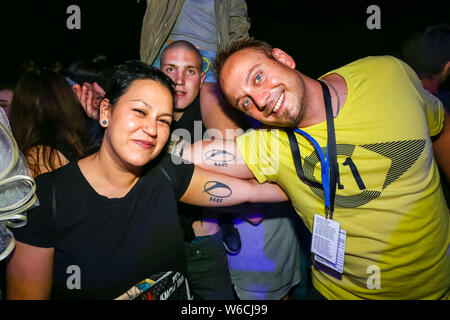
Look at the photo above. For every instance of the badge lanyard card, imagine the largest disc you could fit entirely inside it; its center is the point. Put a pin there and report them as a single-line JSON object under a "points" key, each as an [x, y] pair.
{"points": [[328, 239]]}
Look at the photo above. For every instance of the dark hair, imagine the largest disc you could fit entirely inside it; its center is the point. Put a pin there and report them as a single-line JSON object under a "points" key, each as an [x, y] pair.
{"points": [[95, 70], [223, 55], [45, 111], [123, 76], [429, 51]]}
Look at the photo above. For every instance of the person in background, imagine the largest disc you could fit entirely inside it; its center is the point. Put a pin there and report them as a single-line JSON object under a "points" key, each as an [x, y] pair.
{"points": [[428, 53], [207, 266], [6, 96], [47, 121], [210, 25], [88, 79]]}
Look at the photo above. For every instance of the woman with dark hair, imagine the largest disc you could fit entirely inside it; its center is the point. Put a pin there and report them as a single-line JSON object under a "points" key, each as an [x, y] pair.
{"points": [[109, 221], [47, 121]]}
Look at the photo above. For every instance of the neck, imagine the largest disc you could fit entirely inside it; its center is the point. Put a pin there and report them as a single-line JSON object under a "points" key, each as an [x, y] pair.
{"points": [[109, 176], [313, 102], [177, 115]]}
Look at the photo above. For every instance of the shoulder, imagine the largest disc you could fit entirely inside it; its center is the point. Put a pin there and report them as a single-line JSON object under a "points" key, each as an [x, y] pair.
{"points": [[43, 158], [375, 65]]}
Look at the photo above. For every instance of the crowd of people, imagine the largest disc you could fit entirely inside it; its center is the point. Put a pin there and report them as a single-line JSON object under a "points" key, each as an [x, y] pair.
{"points": [[213, 169]]}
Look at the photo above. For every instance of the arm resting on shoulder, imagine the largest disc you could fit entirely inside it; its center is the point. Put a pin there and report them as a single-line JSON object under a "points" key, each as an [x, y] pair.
{"points": [[29, 273]]}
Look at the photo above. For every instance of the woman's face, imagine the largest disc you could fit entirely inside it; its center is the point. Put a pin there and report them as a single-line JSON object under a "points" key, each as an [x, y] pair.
{"points": [[138, 126]]}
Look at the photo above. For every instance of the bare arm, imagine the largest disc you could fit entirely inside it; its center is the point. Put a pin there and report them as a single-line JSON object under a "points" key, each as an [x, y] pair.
{"points": [[217, 114], [441, 147], [212, 189], [222, 156], [29, 273]]}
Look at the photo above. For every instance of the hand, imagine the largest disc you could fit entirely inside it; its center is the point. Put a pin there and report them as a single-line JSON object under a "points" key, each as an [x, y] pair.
{"points": [[90, 97]]}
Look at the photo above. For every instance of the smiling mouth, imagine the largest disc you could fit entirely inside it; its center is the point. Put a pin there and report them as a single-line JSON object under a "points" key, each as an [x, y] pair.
{"points": [[279, 103], [144, 144]]}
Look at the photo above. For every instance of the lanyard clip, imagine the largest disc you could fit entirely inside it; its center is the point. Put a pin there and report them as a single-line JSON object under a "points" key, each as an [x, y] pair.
{"points": [[328, 213]]}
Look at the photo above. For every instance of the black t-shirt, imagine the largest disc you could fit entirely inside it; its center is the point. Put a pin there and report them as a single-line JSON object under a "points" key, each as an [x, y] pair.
{"points": [[112, 243], [191, 120]]}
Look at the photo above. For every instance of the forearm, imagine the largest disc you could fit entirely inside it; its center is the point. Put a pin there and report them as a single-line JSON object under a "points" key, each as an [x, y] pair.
{"points": [[211, 189], [222, 156]]}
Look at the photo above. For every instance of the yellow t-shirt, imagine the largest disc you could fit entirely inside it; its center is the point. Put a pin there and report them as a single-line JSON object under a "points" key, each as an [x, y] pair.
{"points": [[391, 204]]}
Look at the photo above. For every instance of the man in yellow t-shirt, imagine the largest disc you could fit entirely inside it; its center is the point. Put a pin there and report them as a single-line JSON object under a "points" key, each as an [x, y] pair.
{"points": [[388, 196]]}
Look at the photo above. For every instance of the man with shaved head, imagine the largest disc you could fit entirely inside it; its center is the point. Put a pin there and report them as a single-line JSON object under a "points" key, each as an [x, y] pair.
{"points": [[207, 264]]}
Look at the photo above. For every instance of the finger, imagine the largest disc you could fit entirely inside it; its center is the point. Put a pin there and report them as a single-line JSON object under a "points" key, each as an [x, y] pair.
{"points": [[98, 90]]}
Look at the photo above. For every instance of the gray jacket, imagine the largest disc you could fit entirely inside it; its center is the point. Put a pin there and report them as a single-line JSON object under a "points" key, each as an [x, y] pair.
{"points": [[160, 17]]}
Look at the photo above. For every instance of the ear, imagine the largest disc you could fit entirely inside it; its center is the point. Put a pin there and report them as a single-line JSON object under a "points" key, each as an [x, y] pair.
{"points": [[105, 112], [445, 72], [283, 58], [202, 78]]}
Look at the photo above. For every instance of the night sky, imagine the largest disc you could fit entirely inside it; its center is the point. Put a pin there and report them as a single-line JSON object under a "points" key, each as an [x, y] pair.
{"points": [[320, 35]]}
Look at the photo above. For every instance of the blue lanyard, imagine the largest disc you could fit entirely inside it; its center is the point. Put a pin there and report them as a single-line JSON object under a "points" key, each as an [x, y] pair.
{"points": [[329, 166], [325, 169]]}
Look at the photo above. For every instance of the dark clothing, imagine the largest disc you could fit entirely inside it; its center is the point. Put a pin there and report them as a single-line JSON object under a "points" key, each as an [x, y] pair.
{"points": [[192, 115], [114, 243], [208, 274]]}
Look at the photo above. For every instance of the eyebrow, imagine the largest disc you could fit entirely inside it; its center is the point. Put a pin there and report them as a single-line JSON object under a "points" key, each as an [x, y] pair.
{"points": [[177, 66], [150, 107], [247, 78]]}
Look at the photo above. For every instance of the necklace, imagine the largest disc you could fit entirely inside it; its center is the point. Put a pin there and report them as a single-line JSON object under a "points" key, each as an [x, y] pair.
{"points": [[337, 96]]}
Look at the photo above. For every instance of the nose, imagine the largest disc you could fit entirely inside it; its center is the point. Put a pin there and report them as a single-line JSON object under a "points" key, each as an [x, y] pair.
{"points": [[150, 127], [179, 78], [261, 99]]}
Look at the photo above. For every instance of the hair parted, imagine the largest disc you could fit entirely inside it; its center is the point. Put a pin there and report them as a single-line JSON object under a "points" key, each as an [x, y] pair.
{"points": [[223, 55]]}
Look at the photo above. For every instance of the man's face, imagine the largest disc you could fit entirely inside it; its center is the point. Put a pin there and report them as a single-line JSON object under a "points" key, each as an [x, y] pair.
{"points": [[184, 67], [268, 90]]}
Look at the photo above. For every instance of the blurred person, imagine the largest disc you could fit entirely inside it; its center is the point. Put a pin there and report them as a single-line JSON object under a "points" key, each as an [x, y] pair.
{"points": [[47, 121], [6, 96], [88, 79], [428, 53]]}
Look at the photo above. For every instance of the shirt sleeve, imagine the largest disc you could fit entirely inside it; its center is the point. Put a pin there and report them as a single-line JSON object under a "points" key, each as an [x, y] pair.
{"points": [[258, 153], [179, 173], [40, 229]]}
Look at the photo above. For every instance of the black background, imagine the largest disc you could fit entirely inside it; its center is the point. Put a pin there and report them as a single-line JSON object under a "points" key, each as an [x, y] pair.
{"points": [[320, 35]]}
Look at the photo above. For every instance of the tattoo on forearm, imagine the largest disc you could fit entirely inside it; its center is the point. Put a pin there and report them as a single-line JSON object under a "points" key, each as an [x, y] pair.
{"points": [[217, 191], [221, 158]]}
